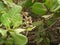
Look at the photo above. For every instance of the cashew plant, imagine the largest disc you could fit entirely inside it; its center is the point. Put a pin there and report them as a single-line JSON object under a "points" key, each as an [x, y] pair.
{"points": [[10, 22]]}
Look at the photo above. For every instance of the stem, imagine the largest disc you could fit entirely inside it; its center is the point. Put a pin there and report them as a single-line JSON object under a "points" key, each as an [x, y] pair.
{"points": [[56, 9]]}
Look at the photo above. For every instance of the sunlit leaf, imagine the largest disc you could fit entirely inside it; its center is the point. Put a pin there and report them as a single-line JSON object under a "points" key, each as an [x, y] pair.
{"points": [[10, 1], [48, 16], [3, 32], [16, 18], [12, 16], [19, 30], [30, 28], [58, 2], [19, 39], [5, 20]]}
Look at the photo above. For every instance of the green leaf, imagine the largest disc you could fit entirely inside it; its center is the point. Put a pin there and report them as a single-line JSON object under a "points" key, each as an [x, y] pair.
{"points": [[58, 2], [15, 9], [17, 20], [1, 41], [50, 21], [48, 16], [37, 23], [39, 39], [41, 29], [3, 32], [9, 41], [5, 20], [30, 28], [38, 8], [12, 16], [47, 41], [51, 4], [28, 3], [14, 13], [10, 1], [7, 1], [19, 39], [2, 6]]}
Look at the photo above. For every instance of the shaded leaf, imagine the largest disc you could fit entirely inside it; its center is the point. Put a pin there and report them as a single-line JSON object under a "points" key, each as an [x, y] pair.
{"points": [[9, 41], [51, 4], [1, 41], [28, 3], [37, 23], [50, 21], [2, 6], [38, 8], [38, 40]]}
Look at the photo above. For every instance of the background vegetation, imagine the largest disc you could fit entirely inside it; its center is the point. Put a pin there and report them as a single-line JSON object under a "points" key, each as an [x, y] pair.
{"points": [[29, 22]]}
